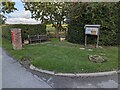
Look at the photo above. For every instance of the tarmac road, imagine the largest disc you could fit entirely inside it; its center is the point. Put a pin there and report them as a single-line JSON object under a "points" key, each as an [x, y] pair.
{"points": [[79, 82]]}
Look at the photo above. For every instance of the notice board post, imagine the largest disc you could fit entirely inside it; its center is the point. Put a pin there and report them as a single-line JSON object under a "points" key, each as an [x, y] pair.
{"points": [[92, 30]]}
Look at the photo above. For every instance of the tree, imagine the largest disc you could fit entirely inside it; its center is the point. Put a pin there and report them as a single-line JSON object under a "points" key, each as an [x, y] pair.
{"points": [[49, 12], [6, 7], [2, 19]]}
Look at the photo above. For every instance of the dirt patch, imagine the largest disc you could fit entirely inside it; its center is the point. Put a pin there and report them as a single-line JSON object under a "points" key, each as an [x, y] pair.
{"points": [[96, 58]]}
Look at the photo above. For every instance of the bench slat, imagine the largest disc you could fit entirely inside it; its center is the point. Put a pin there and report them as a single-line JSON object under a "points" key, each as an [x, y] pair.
{"points": [[37, 38]]}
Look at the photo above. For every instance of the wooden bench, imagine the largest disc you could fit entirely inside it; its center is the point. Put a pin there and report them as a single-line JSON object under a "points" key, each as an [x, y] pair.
{"points": [[38, 38]]}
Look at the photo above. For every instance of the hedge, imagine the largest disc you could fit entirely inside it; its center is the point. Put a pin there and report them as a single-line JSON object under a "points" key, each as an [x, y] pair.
{"points": [[104, 14], [25, 30]]}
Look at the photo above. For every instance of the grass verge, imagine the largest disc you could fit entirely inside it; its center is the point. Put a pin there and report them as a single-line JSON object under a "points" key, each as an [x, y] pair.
{"points": [[64, 56]]}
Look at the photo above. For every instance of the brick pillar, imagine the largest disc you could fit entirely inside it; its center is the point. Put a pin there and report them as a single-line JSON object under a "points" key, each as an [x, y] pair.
{"points": [[16, 38]]}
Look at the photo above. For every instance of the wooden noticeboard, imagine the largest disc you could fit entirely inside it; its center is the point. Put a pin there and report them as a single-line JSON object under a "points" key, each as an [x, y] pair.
{"points": [[92, 30]]}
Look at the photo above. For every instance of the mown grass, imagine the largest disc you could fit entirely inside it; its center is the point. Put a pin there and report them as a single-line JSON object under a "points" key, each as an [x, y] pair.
{"points": [[64, 56], [0, 35]]}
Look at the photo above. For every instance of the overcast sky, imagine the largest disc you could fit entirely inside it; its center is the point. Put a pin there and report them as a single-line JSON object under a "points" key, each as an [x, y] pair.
{"points": [[21, 16]]}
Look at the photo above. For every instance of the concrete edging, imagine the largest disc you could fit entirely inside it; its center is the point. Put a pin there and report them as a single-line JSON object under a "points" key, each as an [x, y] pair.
{"points": [[76, 74]]}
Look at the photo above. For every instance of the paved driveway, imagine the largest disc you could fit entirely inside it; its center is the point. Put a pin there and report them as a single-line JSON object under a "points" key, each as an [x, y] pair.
{"points": [[15, 76]]}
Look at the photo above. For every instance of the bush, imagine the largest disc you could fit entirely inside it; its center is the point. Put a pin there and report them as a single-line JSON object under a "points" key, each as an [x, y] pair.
{"points": [[104, 14], [26, 30]]}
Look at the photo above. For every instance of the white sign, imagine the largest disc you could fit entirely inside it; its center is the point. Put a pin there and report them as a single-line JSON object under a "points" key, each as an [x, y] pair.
{"points": [[91, 31]]}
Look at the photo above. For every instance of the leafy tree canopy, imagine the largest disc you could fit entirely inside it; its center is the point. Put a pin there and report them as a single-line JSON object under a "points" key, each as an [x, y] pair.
{"points": [[49, 12], [6, 7]]}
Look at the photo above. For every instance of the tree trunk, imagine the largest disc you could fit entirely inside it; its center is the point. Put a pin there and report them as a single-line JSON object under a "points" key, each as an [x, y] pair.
{"points": [[57, 32], [58, 28]]}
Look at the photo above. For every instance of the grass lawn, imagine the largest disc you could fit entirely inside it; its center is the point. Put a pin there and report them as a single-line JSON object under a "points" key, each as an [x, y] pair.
{"points": [[64, 56], [0, 36]]}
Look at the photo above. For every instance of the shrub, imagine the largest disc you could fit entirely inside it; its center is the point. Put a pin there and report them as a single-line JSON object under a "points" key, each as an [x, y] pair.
{"points": [[26, 30], [104, 14]]}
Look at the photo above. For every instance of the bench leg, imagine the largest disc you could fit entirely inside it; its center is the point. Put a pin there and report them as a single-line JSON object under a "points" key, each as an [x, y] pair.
{"points": [[39, 41], [30, 41]]}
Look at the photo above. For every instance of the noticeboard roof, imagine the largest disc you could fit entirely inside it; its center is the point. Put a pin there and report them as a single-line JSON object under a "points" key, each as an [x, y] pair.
{"points": [[92, 25]]}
